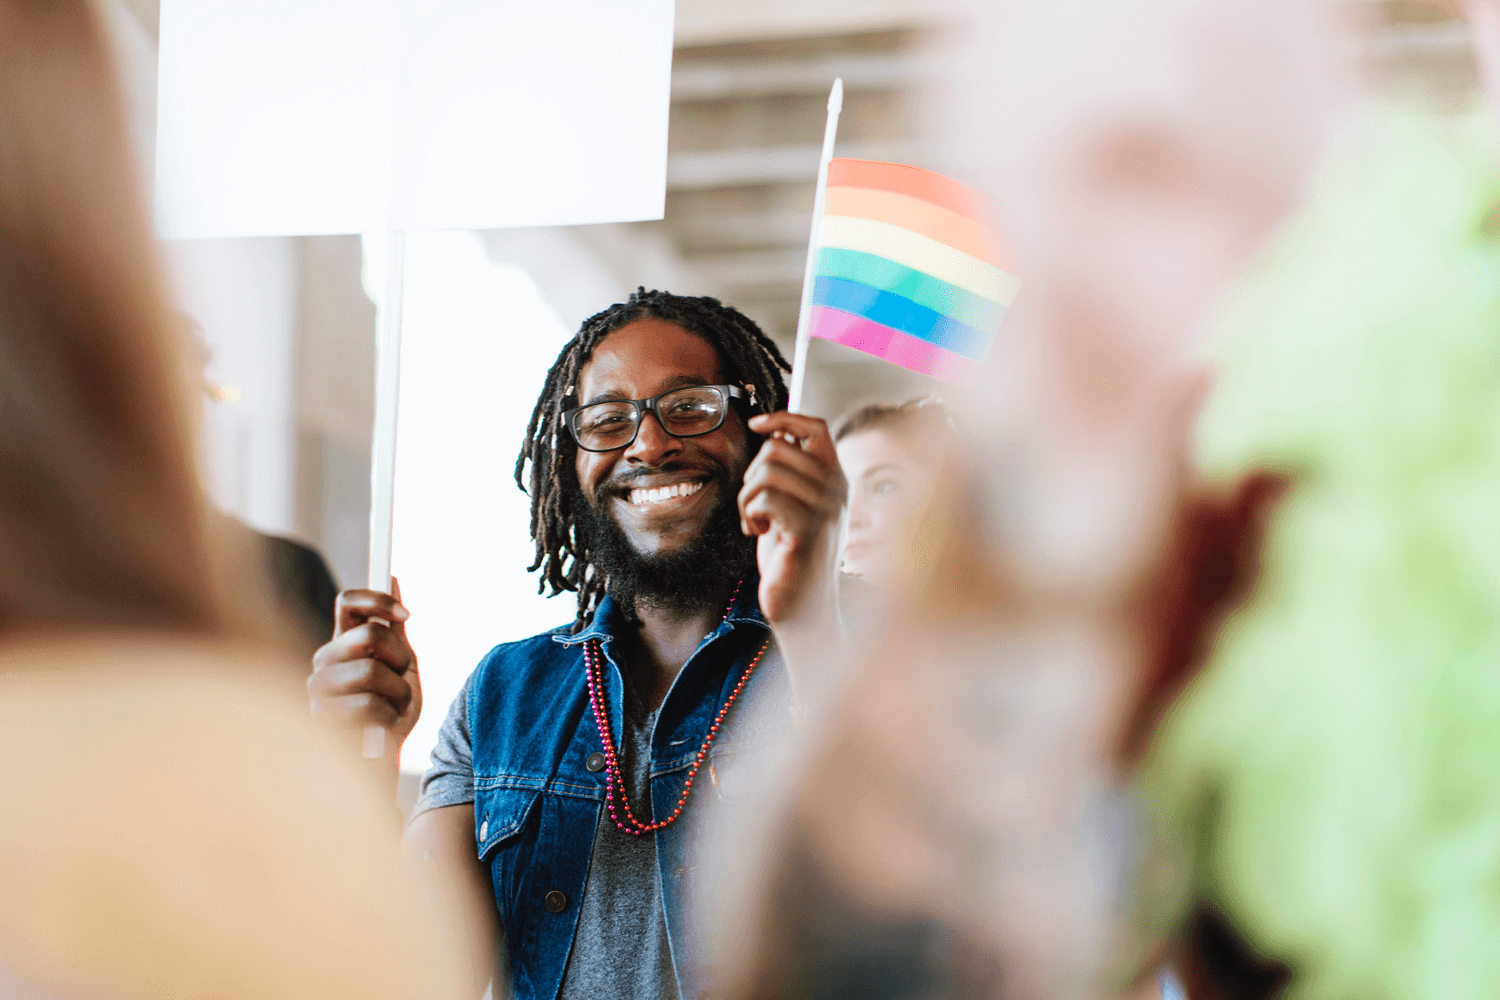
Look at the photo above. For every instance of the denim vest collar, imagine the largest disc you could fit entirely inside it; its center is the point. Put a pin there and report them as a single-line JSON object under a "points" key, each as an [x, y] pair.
{"points": [[609, 619]]}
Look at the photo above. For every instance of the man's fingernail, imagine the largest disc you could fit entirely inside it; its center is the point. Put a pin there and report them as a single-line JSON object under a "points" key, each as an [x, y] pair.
{"points": [[400, 614]]}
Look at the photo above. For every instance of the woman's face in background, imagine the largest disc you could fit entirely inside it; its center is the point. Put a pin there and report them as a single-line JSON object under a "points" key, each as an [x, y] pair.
{"points": [[888, 489]]}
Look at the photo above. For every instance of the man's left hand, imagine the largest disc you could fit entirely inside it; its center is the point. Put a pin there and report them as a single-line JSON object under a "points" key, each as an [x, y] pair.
{"points": [[793, 495]]}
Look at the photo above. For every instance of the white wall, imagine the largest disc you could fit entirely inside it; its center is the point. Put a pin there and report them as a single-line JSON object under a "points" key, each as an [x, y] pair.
{"points": [[135, 61], [246, 296], [583, 269], [336, 393]]}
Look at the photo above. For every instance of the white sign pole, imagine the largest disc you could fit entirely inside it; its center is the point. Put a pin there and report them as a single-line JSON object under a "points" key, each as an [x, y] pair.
{"points": [[383, 441], [804, 315]]}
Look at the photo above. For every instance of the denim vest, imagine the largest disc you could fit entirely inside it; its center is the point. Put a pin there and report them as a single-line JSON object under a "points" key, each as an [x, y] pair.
{"points": [[536, 803]]}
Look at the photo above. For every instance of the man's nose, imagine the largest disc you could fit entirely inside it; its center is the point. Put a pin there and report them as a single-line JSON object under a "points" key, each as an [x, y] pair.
{"points": [[652, 443]]}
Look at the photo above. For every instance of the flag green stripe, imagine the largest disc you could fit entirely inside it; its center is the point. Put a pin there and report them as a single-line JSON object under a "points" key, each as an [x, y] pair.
{"points": [[879, 272]]}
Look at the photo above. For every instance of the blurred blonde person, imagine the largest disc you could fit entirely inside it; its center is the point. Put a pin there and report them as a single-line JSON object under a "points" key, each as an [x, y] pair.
{"points": [[892, 454], [173, 827]]}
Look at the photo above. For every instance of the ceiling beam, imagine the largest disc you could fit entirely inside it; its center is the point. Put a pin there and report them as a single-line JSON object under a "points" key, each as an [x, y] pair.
{"points": [[1419, 39], [714, 22], [699, 81], [766, 165], [750, 268]]}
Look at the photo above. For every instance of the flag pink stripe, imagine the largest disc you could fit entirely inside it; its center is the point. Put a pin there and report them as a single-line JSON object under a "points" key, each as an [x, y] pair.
{"points": [[892, 345]]}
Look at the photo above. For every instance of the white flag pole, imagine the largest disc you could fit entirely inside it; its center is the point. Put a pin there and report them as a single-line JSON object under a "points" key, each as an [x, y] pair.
{"points": [[383, 442], [804, 315]]}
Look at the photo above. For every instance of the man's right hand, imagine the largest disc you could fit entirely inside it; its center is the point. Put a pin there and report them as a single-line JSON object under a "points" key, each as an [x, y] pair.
{"points": [[367, 675]]}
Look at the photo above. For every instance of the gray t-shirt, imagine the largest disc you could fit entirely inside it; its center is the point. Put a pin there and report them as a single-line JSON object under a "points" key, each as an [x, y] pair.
{"points": [[620, 950]]}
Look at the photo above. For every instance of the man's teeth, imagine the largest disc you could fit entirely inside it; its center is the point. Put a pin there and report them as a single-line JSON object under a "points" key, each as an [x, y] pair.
{"points": [[661, 493]]}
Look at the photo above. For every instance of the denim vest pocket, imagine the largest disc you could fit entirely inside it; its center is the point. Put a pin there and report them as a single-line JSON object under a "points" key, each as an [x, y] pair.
{"points": [[501, 816]]}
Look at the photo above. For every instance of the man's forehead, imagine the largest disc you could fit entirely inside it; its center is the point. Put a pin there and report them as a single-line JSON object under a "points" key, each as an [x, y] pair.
{"points": [[648, 355]]}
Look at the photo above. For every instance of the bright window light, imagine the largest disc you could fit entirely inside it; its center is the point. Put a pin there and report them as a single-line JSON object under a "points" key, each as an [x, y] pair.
{"points": [[478, 340]]}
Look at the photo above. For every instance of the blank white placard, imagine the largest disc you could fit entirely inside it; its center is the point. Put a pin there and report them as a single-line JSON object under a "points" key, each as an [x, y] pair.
{"points": [[299, 117]]}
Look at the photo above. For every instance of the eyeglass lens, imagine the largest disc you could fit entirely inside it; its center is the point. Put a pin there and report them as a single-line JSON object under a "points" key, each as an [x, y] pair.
{"points": [[683, 413]]}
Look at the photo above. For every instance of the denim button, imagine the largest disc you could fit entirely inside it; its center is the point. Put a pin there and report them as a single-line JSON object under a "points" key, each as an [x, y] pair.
{"points": [[556, 901], [484, 829], [595, 762]]}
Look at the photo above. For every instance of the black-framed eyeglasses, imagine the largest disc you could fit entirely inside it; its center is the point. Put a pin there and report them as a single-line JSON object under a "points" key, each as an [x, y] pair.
{"points": [[686, 412]]}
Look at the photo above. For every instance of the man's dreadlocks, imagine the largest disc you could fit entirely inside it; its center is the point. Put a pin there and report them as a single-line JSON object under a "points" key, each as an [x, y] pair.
{"points": [[749, 358]]}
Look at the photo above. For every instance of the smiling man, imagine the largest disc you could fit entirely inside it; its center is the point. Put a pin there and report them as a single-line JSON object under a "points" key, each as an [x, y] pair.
{"points": [[698, 527]]}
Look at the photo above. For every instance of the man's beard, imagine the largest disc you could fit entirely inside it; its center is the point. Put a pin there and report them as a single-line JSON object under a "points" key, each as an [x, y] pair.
{"points": [[693, 578]]}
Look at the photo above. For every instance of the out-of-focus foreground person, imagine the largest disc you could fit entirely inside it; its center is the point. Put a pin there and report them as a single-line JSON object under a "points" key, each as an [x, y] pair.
{"points": [[173, 825], [965, 823]]}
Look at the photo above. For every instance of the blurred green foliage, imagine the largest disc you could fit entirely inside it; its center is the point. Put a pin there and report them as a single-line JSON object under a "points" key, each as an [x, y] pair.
{"points": [[1334, 773]]}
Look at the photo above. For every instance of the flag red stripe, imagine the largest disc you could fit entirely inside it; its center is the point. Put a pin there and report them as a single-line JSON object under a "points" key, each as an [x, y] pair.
{"points": [[911, 181]]}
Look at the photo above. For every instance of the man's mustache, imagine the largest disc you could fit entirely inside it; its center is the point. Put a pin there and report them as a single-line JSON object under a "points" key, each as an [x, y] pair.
{"points": [[623, 482]]}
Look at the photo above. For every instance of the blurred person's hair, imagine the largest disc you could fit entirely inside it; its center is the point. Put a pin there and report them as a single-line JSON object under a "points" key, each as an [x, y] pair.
{"points": [[943, 537], [102, 521], [923, 417], [749, 358]]}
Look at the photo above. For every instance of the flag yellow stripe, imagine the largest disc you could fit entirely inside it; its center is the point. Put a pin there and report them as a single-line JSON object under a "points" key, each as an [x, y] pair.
{"points": [[919, 253]]}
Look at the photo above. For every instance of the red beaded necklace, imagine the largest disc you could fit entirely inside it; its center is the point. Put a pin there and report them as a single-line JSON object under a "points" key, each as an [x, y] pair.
{"points": [[614, 778]]}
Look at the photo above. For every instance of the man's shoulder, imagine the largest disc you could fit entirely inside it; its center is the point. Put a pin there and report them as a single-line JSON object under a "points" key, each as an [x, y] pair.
{"points": [[545, 644], [526, 662], [516, 690]]}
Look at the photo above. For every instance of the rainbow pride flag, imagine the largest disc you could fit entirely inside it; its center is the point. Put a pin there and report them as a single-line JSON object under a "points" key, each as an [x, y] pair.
{"points": [[907, 270]]}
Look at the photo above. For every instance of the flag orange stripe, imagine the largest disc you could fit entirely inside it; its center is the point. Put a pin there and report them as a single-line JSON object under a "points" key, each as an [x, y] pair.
{"points": [[933, 221], [913, 182]]}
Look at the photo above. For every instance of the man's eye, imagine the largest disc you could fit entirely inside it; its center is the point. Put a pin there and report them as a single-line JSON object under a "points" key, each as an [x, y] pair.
{"points": [[604, 421]]}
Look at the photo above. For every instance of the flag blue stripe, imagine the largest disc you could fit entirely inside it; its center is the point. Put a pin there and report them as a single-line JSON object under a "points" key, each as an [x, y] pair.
{"points": [[902, 314]]}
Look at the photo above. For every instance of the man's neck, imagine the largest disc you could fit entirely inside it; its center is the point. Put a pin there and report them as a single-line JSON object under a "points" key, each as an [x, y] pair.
{"points": [[661, 642]]}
